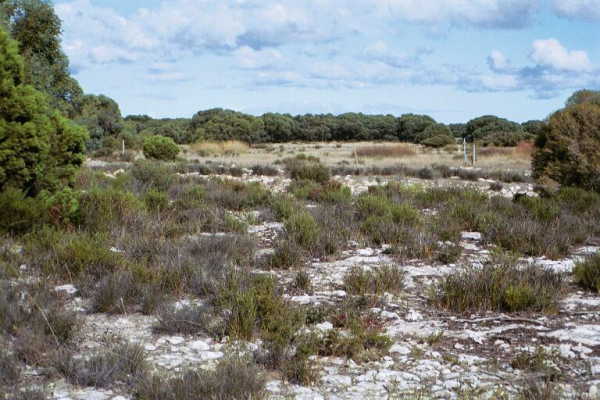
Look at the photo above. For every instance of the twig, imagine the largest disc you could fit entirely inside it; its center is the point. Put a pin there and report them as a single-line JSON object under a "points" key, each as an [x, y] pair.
{"points": [[49, 326]]}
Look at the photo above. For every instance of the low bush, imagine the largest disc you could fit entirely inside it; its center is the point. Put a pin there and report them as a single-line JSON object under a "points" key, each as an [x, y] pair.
{"points": [[74, 255], [503, 286], [302, 229], [156, 201], [102, 209], [379, 280], [160, 148], [301, 169], [152, 175], [237, 196], [120, 362], [287, 255], [233, 379], [189, 320], [36, 317], [121, 291], [19, 213], [587, 273]]}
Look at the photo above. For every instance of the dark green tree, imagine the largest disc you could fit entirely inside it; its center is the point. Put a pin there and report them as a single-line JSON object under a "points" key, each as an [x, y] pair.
{"points": [[568, 148], [479, 128], [39, 149], [411, 125], [102, 118], [279, 127], [37, 28]]}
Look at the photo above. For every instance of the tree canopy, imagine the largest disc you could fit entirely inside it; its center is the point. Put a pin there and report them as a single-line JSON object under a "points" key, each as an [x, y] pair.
{"points": [[39, 148], [568, 147], [37, 28]]}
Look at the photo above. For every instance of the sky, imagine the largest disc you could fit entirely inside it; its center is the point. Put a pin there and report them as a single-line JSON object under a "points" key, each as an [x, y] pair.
{"points": [[452, 59]]}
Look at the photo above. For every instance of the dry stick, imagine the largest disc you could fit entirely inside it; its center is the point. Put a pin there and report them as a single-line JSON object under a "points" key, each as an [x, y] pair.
{"points": [[49, 326]]}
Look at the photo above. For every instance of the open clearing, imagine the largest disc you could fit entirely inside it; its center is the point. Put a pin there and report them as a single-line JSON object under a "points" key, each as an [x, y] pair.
{"points": [[417, 344]]}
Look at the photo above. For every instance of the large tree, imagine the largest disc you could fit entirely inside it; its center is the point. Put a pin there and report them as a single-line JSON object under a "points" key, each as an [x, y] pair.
{"points": [[39, 148], [568, 148], [37, 28]]}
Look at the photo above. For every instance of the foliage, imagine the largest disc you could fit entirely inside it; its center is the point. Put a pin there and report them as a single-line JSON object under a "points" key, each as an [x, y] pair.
{"points": [[481, 127], [439, 141], [587, 273], [505, 139], [102, 118], [568, 150], [501, 285], [160, 148], [39, 149], [35, 25]]}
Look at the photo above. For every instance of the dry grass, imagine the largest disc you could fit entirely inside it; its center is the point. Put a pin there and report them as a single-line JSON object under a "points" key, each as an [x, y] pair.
{"points": [[524, 149], [494, 151], [226, 148], [376, 151]]}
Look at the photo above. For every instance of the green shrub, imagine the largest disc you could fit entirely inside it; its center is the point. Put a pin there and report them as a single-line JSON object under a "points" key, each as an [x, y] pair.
{"points": [[63, 207], [501, 285], [101, 209], [284, 206], [302, 228], [152, 174], [587, 273], [19, 213], [156, 200], [312, 171], [160, 148], [73, 255]]}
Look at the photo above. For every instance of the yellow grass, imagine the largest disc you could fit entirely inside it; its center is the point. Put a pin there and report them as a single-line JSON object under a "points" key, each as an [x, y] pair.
{"points": [[228, 147]]}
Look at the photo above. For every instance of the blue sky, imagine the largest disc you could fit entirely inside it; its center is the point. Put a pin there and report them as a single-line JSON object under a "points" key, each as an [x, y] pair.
{"points": [[451, 59]]}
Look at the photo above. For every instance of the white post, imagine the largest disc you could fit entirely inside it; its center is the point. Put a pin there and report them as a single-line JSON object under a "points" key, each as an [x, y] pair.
{"points": [[474, 152], [465, 150], [123, 148]]}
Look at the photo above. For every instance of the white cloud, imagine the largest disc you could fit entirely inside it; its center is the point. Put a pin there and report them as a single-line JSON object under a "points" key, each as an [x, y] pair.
{"points": [[551, 53], [588, 10], [482, 13], [249, 58], [498, 61]]}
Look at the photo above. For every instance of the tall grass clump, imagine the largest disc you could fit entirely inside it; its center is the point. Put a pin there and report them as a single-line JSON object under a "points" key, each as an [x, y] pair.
{"points": [[501, 285], [380, 280], [120, 362], [587, 273], [233, 379]]}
